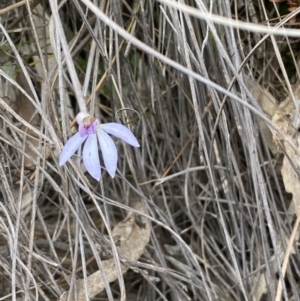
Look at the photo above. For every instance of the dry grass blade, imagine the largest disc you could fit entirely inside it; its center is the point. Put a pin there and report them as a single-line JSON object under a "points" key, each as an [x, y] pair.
{"points": [[209, 88]]}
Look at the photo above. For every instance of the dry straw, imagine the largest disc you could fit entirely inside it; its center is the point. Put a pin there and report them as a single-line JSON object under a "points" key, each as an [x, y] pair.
{"points": [[207, 208]]}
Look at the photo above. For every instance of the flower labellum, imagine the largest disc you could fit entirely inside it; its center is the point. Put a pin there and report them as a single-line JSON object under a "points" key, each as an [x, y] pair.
{"points": [[92, 132]]}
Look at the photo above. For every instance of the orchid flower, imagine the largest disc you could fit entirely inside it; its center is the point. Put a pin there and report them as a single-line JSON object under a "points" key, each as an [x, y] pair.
{"points": [[91, 132]]}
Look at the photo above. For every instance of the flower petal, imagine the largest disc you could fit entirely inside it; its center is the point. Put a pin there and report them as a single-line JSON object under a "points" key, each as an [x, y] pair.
{"points": [[70, 148], [109, 152], [121, 132], [91, 157]]}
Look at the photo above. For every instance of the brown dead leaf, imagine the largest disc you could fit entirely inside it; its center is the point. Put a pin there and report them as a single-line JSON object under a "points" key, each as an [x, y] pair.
{"points": [[291, 180], [292, 185], [283, 118], [132, 240], [268, 104], [25, 109], [290, 177], [290, 173]]}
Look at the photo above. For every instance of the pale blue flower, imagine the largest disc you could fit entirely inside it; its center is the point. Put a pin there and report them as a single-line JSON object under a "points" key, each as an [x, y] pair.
{"points": [[91, 131]]}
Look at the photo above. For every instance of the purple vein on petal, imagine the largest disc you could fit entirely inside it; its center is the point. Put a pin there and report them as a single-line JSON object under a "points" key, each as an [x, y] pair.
{"points": [[91, 157], [70, 148], [121, 132], [109, 152]]}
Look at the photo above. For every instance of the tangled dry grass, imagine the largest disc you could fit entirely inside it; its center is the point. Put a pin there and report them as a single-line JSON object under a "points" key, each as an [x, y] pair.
{"points": [[207, 208]]}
